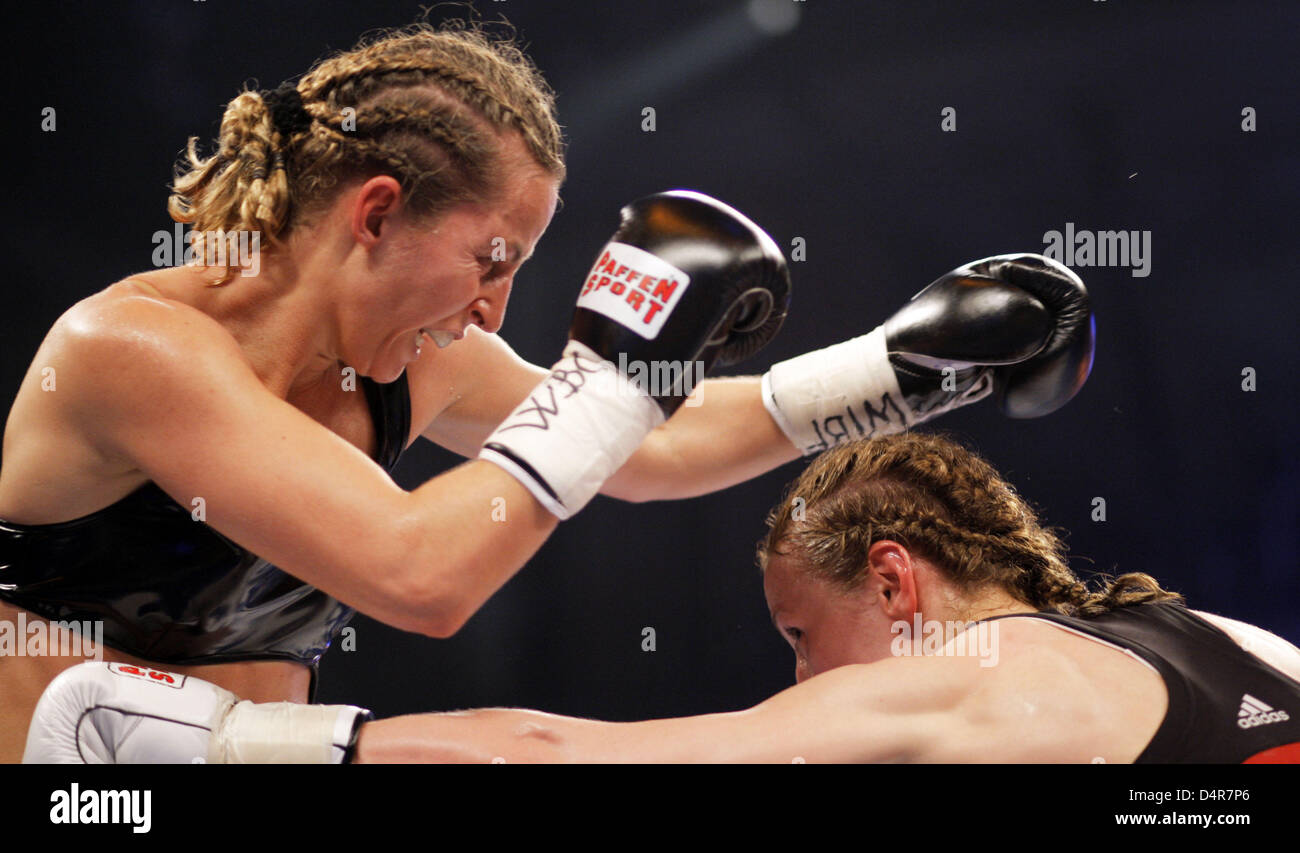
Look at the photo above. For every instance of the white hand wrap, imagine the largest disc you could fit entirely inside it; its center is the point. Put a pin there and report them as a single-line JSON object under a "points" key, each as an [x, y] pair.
{"points": [[837, 394], [579, 426], [284, 733], [846, 392]]}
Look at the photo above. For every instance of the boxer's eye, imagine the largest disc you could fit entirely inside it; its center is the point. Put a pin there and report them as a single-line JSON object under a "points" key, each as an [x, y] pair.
{"points": [[492, 269], [794, 634]]}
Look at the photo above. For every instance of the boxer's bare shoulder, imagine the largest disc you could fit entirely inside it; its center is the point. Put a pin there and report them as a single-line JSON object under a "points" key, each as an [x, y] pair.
{"points": [[100, 360], [1083, 697], [1265, 645]]}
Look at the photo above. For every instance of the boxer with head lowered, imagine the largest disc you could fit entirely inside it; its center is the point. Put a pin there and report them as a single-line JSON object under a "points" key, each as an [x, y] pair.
{"points": [[188, 460], [932, 618]]}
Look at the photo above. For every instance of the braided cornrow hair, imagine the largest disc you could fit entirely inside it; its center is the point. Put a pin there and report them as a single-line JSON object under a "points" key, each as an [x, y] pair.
{"points": [[426, 105], [949, 505]]}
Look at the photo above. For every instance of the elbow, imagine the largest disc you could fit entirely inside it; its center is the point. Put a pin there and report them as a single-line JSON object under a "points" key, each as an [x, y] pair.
{"points": [[435, 612], [424, 602], [444, 625], [419, 594], [434, 622]]}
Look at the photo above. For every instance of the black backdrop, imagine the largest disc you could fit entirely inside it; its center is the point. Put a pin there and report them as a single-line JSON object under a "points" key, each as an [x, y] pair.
{"points": [[1107, 115]]}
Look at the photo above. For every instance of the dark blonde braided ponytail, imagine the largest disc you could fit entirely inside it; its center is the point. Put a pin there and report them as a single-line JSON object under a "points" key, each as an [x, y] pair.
{"points": [[950, 506]]}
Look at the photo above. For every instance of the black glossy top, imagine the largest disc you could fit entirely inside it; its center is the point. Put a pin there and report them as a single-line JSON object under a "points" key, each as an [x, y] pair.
{"points": [[173, 590], [1223, 701]]}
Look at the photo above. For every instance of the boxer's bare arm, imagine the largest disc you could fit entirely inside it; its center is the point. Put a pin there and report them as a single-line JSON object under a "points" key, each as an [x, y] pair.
{"points": [[169, 392], [922, 709], [720, 437], [727, 439]]}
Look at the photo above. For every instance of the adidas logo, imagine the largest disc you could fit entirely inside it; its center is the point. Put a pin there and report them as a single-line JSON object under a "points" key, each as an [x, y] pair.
{"points": [[1256, 713]]}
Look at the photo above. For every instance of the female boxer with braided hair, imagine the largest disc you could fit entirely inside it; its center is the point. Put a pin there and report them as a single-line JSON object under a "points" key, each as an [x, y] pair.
{"points": [[932, 616], [208, 480], [946, 504], [207, 483]]}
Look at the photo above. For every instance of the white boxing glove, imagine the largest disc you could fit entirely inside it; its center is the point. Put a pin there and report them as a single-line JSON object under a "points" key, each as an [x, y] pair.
{"points": [[114, 713]]}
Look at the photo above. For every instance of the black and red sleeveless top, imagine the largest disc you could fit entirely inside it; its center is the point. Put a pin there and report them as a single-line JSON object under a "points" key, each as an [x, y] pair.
{"points": [[173, 590], [1225, 704]]}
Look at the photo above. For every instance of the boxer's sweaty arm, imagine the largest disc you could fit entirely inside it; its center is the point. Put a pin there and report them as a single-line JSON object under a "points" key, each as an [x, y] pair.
{"points": [[926, 709], [720, 437], [169, 391], [728, 438]]}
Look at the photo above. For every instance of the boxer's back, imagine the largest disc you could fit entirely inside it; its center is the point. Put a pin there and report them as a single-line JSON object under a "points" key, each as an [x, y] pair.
{"points": [[1230, 689]]}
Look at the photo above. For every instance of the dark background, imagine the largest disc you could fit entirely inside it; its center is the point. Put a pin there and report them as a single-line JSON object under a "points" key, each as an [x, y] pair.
{"points": [[1109, 115]]}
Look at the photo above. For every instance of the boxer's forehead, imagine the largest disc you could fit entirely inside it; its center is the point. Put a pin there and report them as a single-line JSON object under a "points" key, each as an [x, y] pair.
{"points": [[787, 583]]}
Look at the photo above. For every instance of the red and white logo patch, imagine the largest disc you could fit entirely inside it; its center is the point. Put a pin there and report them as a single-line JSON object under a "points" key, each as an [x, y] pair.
{"points": [[634, 288], [156, 676]]}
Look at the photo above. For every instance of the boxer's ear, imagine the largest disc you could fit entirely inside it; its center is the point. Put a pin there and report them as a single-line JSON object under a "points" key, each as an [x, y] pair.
{"points": [[890, 563], [374, 206]]}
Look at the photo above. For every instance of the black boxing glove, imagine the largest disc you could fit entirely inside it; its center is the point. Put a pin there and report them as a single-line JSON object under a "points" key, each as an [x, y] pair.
{"points": [[685, 283], [1017, 326]]}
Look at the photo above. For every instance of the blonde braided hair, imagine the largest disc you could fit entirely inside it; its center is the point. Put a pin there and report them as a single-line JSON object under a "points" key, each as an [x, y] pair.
{"points": [[426, 105], [949, 505]]}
